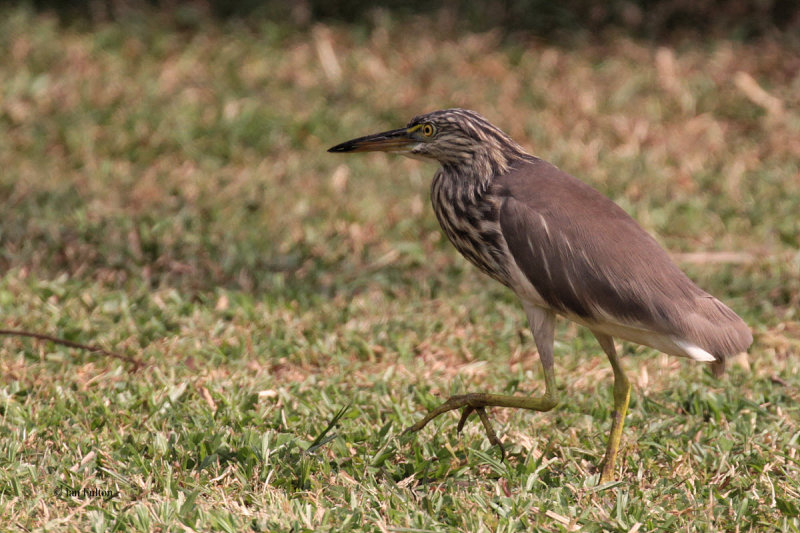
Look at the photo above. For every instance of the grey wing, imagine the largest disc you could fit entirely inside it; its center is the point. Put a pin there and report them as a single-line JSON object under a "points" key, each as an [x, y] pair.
{"points": [[587, 258], [576, 274]]}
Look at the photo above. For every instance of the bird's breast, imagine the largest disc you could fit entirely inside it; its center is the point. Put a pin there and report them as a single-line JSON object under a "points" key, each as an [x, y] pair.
{"points": [[470, 219]]}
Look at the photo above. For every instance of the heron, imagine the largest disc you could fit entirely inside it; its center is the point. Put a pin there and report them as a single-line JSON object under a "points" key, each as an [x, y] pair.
{"points": [[564, 249]]}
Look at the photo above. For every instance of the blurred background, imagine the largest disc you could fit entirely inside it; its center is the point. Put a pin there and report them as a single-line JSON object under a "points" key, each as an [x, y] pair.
{"points": [[536, 18], [182, 143], [165, 191]]}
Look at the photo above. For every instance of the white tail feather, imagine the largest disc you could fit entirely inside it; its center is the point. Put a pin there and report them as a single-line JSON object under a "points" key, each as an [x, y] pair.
{"points": [[694, 351]]}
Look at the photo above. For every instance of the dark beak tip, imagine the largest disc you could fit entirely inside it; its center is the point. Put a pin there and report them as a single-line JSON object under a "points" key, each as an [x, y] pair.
{"points": [[339, 148]]}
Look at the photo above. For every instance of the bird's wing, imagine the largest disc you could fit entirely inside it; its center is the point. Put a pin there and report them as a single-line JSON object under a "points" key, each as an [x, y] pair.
{"points": [[587, 258]]}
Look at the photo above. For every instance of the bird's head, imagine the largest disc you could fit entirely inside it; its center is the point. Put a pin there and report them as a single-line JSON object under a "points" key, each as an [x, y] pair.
{"points": [[453, 137]]}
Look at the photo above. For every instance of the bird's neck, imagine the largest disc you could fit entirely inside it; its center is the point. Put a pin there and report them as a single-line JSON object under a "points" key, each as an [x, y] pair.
{"points": [[475, 173]]}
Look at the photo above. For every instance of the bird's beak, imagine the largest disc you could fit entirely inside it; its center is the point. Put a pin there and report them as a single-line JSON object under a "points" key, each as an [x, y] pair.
{"points": [[399, 140]]}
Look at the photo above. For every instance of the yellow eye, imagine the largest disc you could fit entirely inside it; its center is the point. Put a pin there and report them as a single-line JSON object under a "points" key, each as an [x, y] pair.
{"points": [[428, 130]]}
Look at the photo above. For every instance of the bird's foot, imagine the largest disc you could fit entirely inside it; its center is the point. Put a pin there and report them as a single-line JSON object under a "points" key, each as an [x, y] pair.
{"points": [[607, 469], [471, 403], [606, 474]]}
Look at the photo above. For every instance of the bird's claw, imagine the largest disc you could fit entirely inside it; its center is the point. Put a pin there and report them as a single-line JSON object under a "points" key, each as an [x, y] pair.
{"points": [[467, 410], [487, 425], [464, 415]]}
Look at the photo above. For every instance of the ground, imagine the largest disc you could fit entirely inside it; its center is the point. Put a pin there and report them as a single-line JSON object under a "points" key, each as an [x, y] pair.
{"points": [[166, 194]]}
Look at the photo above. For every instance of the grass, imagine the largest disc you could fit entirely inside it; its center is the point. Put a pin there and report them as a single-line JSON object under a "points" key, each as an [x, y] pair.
{"points": [[166, 194]]}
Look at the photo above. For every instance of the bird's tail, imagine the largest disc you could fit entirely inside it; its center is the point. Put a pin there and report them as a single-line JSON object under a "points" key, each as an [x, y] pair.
{"points": [[721, 332]]}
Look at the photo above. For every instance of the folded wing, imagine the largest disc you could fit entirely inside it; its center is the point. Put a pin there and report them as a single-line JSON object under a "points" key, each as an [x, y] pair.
{"points": [[590, 261]]}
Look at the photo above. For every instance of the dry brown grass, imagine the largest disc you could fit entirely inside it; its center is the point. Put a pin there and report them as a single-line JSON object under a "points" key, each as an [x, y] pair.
{"points": [[166, 193]]}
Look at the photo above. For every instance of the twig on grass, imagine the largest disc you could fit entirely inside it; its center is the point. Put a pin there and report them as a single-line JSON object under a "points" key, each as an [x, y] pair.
{"points": [[42, 337]]}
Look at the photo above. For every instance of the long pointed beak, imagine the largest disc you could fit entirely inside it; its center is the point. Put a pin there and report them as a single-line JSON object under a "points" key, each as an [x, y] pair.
{"points": [[389, 141]]}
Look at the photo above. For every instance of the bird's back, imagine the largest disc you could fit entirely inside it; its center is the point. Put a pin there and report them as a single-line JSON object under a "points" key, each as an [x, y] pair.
{"points": [[590, 261]]}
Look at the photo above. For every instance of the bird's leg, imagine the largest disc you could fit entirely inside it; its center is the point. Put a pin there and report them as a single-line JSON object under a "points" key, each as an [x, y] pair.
{"points": [[542, 325], [622, 394]]}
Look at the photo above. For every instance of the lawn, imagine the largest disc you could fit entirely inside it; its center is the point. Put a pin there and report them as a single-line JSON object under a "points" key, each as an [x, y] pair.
{"points": [[166, 195]]}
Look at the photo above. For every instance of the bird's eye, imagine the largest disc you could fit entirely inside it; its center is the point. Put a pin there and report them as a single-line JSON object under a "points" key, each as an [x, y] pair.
{"points": [[428, 130]]}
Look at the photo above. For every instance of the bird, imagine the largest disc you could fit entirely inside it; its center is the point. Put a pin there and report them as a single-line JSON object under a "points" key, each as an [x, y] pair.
{"points": [[565, 250]]}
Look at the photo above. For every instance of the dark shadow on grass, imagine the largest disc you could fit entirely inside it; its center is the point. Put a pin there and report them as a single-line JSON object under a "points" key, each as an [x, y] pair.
{"points": [[559, 21]]}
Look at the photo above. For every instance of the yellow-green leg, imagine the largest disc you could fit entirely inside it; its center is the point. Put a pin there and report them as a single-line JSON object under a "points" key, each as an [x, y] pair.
{"points": [[543, 326], [622, 395]]}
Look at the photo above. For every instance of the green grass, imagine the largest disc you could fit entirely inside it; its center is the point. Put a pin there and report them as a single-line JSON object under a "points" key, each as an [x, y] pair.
{"points": [[165, 193]]}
